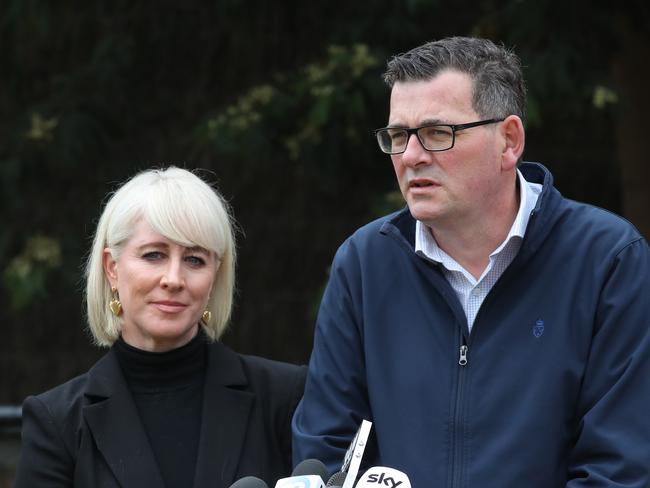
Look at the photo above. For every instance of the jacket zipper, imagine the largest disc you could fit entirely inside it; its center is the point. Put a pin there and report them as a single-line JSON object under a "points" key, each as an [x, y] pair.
{"points": [[462, 361], [458, 429]]}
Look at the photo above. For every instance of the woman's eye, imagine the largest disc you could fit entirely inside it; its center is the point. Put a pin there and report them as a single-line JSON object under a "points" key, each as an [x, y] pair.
{"points": [[195, 261], [152, 255]]}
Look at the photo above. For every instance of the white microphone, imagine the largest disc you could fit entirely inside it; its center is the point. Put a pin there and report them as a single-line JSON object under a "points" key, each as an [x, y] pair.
{"points": [[306, 481], [382, 476], [307, 474]]}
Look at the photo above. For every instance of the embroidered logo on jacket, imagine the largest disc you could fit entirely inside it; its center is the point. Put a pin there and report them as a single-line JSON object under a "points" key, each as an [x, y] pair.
{"points": [[538, 328]]}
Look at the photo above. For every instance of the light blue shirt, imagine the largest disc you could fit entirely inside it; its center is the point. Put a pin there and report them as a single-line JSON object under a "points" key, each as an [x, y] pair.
{"points": [[471, 291]]}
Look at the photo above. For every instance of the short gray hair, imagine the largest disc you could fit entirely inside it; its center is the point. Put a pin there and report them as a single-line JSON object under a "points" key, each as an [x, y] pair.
{"points": [[183, 208], [498, 84]]}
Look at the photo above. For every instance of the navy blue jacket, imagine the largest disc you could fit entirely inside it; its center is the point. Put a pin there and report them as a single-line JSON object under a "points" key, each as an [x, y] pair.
{"points": [[556, 389]]}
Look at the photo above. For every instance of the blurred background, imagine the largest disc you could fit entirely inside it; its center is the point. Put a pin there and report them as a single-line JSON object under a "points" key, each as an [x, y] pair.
{"points": [[275, 103]]}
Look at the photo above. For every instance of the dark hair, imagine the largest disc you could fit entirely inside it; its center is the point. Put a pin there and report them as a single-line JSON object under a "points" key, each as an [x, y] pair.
{"points": [[498, 85]]}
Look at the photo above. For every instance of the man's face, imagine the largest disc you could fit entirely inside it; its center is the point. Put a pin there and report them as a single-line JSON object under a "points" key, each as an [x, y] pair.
{"points": [[453, 187]]}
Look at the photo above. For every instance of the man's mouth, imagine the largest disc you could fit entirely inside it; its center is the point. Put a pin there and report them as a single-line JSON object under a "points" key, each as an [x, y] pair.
{"points": [[422, 183]]}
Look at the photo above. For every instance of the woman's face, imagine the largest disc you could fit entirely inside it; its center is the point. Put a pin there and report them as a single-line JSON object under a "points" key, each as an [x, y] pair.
{"points": [[163, 287]]}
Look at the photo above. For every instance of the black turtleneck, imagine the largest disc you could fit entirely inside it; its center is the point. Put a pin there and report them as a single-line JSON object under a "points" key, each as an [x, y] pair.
{"points": [[168, 391]]}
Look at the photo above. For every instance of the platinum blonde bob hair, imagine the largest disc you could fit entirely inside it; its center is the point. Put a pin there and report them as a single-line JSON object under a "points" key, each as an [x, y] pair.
{"points": [[181, 207]]}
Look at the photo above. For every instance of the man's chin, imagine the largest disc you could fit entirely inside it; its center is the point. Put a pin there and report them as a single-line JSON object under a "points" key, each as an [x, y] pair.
{"points": [[425, 213]]}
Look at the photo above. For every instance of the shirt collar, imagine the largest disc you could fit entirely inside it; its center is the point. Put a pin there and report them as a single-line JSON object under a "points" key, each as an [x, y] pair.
{"points": [[426, 245]]}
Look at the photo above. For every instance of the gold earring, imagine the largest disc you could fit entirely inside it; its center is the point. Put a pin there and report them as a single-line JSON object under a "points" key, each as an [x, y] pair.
{"points": [[115, 305], [207, 315]]}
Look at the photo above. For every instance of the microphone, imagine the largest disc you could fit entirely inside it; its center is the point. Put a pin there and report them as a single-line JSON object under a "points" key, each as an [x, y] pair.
{"points": [[305, 481], [310, 467], [382, 476], [337, 480], [307, 474], [249, 482]]}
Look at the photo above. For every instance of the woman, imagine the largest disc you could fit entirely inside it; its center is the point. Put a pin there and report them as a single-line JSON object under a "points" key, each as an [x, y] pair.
{"points": [[167, 406]]}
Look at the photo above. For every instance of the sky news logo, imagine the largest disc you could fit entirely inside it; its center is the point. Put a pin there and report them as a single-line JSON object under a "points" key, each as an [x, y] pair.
{"points": [[384, 477]]}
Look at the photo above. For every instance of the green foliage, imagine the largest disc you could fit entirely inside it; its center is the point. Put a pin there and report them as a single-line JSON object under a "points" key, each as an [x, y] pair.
{"points": [[41, 129], [278, 102], [324, 103], [567, 50], [604, 96], [25, 276]]}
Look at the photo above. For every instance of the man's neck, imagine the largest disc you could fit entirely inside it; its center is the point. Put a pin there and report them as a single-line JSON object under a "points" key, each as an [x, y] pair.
{"points": [[470, 243]]}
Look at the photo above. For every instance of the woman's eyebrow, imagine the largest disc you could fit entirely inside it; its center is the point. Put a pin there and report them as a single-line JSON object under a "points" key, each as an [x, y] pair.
{"points": [[198, 249], [154, 244]]}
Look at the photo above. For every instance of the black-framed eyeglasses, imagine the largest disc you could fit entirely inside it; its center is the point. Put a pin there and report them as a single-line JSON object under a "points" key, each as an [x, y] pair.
{"points": [[433, 137]]}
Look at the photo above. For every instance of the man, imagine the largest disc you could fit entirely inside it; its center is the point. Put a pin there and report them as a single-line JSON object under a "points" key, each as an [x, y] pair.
{"points": [[495, 333]]}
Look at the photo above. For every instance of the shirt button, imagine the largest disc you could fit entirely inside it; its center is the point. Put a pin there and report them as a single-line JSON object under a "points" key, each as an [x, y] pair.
{"points": [[476, 292]]}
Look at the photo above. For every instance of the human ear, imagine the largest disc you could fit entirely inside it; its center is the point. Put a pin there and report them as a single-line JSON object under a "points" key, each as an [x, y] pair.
{"points": [[110, 266], [514, 137]]}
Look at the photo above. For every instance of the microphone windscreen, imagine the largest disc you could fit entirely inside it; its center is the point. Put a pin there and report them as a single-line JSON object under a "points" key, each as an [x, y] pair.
{"points": [[303, 481], [311, 467], [337, 479], [249, 482]]}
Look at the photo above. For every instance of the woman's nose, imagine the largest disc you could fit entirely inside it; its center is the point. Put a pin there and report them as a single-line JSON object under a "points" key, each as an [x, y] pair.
{"points": [[173, 275]]}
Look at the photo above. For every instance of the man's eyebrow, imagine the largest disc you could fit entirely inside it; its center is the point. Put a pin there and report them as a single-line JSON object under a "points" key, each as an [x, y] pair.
{"points": [[433, 122], [398, 125]]}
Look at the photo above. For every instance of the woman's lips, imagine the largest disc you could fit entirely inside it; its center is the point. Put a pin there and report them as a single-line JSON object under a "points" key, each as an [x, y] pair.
{"points": [[169, 306]]}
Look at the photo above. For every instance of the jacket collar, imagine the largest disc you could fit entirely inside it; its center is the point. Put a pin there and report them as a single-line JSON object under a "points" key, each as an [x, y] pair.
{"points": [[402, 224], [226, 408], [114, 422], [115, 425], [545, 213]]}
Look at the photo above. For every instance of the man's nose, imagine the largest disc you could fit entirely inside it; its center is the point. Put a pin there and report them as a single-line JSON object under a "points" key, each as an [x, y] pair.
{"points": [[415, 154]]}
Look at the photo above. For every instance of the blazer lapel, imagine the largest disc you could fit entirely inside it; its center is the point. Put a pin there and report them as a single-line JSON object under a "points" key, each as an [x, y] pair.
{"points": [[224, 419], [115, 425]]}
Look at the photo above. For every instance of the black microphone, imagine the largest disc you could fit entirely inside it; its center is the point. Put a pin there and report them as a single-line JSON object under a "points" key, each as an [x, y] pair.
{"points": [[309, 473], [249, 482], [337, 480], [311, 467]]}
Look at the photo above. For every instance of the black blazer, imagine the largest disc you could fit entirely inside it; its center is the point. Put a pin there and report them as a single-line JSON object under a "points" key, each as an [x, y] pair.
{"points": [[87, 433]]}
